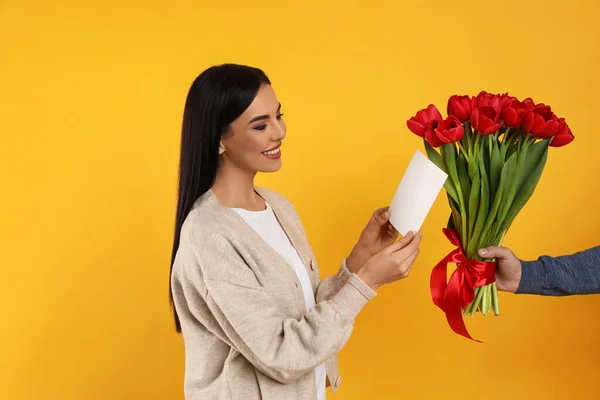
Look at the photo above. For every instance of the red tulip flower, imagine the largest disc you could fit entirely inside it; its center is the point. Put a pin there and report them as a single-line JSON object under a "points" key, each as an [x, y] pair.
{"points": [[460, 107], [485, 120]]}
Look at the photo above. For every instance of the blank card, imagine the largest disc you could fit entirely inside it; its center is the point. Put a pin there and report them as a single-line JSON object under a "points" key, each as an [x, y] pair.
{"points": [[420, 186]]}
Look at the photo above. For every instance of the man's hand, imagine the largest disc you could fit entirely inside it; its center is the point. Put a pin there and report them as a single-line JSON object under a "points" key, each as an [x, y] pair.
{"points": [[508, 271]]}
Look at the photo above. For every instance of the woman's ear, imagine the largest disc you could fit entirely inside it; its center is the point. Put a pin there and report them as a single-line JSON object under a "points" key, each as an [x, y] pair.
{"points": [[221, 148]]}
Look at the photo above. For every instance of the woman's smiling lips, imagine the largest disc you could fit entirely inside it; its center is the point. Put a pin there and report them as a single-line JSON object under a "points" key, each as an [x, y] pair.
{"points": [[273, 153]]}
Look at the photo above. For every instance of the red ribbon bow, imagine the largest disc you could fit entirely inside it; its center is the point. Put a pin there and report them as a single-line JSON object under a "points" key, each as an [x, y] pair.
{"points": [[458, 293]]}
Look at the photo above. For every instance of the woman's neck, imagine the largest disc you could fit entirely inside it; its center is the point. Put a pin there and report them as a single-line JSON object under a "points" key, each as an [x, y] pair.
{"points": [[235, 188]]}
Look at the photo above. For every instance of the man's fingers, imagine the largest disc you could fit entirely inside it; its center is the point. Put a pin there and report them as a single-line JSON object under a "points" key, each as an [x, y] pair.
{"points": [[496, 252]]}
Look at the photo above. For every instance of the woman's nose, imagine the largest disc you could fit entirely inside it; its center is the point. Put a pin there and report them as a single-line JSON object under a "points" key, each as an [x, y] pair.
{"points": [[279, 132]]}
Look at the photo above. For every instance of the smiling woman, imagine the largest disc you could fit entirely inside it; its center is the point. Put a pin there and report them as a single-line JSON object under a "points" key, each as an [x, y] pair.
{"points": [[257, 321]]}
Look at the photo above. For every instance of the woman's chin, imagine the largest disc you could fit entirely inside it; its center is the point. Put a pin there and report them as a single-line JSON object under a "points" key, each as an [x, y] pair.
{"points": [[272, 166]]}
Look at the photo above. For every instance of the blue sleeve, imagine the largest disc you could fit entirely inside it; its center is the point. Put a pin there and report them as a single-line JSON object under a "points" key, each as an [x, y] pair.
{"points": [[578, 273]]}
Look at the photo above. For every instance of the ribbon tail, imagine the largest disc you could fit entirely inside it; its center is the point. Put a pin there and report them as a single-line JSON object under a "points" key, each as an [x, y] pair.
{"points": [[453, 310], [437, 283]]}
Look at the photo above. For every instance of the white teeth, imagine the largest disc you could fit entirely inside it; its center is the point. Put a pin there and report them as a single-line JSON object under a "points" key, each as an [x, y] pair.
{"points": [[272, 152]]}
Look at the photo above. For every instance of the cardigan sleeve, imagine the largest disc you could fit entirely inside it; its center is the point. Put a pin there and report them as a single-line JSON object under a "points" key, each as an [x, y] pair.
{"points": [[329, 286], [250, 319]]}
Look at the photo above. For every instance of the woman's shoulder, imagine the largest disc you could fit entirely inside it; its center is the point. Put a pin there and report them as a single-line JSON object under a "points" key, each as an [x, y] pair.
{"points": [[283, 208], [207, 220], [277, 200]]}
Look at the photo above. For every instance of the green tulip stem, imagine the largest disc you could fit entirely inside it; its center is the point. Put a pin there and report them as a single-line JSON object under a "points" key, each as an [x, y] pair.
{"points": [[478, 298], [476, 145], [463, 150], [467, 138], [525, 142], [472, 308], [495, 303]]}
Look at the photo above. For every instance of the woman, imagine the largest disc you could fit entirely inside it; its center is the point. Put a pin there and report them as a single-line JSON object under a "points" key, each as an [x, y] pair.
{"points": [[256, 321]]}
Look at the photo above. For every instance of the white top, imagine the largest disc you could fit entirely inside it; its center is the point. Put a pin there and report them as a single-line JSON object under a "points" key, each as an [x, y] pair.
{"points": [[267, 226]]}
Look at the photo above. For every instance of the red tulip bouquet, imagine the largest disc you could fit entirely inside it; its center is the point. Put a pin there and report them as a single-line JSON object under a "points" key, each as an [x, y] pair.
{"points": [[493, 148]]}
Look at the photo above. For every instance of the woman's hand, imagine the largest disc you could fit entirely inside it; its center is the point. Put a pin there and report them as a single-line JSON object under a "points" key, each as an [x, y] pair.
{"points": [[392, 263], [376, 236]]}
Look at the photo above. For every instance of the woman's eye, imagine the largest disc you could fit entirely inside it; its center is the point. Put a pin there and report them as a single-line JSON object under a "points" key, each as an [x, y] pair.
{"points": [[264, 126]]}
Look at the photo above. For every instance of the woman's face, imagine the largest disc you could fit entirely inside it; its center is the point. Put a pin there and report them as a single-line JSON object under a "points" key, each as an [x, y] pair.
{"points": [[254, 140]]}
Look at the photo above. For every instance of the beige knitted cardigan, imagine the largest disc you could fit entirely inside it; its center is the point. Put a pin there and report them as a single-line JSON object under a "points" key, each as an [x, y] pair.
{"points": [[246, 330]]}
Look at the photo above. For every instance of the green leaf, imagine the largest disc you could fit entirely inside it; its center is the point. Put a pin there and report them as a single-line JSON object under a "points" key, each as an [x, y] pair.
{"points": [[503, 150], [534, 153], [451, 190], [526, 191], [454, 216], [486, 150], [473, 205], [435, 157], [513, 146], [496, 162], [529, 159], [463, 178], [472, 167], [490, 228], [512, 138], [468, 136], [449, 156], [451, 224], [482, 213], [513, 182]]}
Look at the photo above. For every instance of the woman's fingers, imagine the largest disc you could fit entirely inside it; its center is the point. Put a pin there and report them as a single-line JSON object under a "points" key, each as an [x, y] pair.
{"points": [[400, 244], [405, 261], [409, 244], [392, 232]]}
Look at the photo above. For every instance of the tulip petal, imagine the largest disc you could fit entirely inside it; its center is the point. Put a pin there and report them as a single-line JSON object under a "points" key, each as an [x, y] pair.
{"points": [[433, 114], [415, 127], [563, 138], [432, 139], [510, 117], [491, 129], [527, 121], [475, 119], [440, 135], [496, 104]]}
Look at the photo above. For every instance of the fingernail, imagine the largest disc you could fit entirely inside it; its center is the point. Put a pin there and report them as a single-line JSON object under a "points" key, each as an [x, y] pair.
{"points": [[420, 233], [410, 233], [386, 214], [483, 251]]}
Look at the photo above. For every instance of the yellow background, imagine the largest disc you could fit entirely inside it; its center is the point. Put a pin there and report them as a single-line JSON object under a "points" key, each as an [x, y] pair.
{"points": [[91, 100]]}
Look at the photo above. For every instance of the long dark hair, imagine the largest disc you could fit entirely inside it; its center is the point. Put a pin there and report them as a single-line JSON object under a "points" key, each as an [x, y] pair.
{"points": [[217, 97]]}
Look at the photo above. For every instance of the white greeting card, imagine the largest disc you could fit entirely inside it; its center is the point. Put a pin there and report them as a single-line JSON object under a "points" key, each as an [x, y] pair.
{"points": [[418, 189]]}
